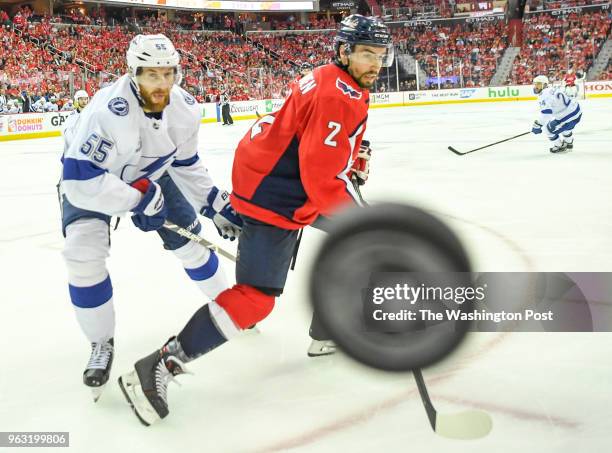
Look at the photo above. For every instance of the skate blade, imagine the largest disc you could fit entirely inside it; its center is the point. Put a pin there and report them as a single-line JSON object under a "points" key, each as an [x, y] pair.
{"points": [[96, 392], [321, 354], [130, 386], [320, 348], [251, 330]]}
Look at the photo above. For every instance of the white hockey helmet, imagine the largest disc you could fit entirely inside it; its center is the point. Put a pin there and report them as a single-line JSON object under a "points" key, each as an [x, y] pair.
{"points": [[81, 94], [541, 79], [152, 51]]}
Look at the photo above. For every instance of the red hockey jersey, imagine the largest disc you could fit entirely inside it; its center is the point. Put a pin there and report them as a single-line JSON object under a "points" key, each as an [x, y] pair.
{"points": [[570, 80], [292, 165]]}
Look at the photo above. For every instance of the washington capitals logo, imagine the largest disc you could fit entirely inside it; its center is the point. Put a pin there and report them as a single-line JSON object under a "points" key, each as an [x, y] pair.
{"points": [[347, 89]]}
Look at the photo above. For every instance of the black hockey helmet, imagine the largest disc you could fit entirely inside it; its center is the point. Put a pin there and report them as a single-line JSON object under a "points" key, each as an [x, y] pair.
{"points": [[369, 31], [306, 66]]}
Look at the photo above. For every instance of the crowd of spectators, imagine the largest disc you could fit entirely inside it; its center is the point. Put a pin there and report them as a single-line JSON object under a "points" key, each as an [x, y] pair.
{"points": [[554, 43], [466, 52], [416, 9], [607, 72], [55, 58], [538, 5], [212, 61]]}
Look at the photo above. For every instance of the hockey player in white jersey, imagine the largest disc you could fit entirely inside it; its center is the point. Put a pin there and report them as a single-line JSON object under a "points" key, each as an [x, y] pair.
{"points": [[51, 106], [39, 105], [68, 106], [12, 107], [142, 131], [81, 99], [558, 113]]}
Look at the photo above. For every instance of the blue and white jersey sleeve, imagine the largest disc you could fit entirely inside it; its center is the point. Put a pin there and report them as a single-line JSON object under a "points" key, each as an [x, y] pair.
{"points": [[90, 159]]}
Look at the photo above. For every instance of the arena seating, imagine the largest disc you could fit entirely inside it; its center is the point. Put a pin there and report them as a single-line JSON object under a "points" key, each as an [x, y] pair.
{"points": [[554, 43], [57, 55], [477, 45]]}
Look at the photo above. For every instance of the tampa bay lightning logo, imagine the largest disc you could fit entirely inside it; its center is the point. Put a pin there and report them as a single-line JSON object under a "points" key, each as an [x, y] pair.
{"points": [[189, 99], [347, 89], [119, 106]]}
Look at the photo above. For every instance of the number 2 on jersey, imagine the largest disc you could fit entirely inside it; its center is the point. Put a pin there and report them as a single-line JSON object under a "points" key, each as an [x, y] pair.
{"points": [[335, 127], [566, 101]]}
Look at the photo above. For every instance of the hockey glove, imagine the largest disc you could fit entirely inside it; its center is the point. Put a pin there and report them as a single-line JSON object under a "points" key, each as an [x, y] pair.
{"points": [[537, 127], [220, 211], [361, 167], [552, 125], [150, 214]]}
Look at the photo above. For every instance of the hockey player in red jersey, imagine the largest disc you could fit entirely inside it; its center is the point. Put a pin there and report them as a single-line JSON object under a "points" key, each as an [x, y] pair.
{"points": [[305, 69], [292, 167], [569, 81]]}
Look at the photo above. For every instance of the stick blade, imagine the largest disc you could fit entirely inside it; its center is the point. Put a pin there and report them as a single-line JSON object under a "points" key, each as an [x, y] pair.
{"points": [[450, 148], [465, 425]]}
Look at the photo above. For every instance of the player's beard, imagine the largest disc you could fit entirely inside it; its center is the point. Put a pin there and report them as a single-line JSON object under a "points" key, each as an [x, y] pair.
{"points": [[157, 105], [361, 79]]}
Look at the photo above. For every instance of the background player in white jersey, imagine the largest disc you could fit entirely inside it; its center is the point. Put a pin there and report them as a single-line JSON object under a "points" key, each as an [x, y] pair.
{"points": [[142, 131], [51, 106], [39, 105], [11, 108], [81, 99], [558, 113], [68, 106]]}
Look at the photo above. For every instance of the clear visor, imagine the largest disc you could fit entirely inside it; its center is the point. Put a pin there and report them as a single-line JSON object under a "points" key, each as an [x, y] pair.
{"points": [[163, 77], [371, 57]]}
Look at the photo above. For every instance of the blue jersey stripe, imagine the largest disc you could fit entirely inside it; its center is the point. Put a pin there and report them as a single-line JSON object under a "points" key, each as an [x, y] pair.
{"points": [[186, 162], [91, 296], [205, 271], [567, 117], [80, 170], [547, 111]]}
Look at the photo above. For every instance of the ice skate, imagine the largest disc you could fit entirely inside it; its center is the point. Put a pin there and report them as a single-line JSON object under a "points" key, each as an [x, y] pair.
{"points": [[146, 387], [557, 149], [98, 368]]}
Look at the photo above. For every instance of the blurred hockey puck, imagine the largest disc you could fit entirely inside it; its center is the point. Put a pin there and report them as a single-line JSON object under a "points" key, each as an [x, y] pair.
{"points": [[367, 277]]}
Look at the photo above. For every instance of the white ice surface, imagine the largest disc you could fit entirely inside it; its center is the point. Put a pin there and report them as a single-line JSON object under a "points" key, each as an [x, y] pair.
{"points": [[516, 207]]}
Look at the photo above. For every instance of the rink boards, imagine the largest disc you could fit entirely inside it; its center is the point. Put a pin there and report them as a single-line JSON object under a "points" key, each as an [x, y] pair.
{"points": [[39, 125]]}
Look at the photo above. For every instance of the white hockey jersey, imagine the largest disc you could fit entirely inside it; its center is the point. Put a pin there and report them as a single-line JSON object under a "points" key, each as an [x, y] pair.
{"points": [[68, 107], [39, 106], [555, 104], [112, 143], [51, 107]]}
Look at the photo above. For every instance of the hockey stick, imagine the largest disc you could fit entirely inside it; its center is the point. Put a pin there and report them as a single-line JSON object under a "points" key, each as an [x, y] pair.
{"points": [[142, 184], [466, 425], [198, 239], [470, 424], [459, 153]]}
